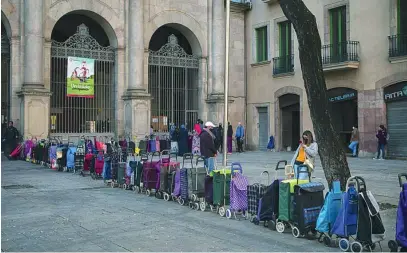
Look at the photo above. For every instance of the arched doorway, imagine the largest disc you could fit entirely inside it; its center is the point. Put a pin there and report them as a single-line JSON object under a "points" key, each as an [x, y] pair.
{"points": [[290, 121], [5, 75], [82, 78], [172, 80], [344, 104]]}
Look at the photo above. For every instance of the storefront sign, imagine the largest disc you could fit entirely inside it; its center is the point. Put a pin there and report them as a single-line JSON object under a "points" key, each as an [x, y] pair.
{"points": [[341, 94], [395, 92], [80, 79]]}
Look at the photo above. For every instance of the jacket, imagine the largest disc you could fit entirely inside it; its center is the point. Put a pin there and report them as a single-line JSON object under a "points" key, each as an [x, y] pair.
{"points": [[230, 131], [355, 135], [310, 152], [207, 144], [240, 132], [382, 137]]}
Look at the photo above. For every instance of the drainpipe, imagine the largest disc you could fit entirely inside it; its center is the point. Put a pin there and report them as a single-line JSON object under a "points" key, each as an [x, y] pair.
{"points": [[245, 77]]}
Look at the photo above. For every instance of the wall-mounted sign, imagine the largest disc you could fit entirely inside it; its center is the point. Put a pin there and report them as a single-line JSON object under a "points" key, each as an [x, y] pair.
{"points": [[341, 94], [395, 92]]}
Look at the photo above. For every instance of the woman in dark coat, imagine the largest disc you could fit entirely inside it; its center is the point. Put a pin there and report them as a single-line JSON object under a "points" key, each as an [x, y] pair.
{"points": [[183, 141], [230, 138]]}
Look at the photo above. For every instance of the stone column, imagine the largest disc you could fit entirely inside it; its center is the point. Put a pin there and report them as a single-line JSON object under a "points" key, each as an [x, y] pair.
{"points": [[35, 98], [218, 47], [136, 99], [136, 45], [33, 47]]}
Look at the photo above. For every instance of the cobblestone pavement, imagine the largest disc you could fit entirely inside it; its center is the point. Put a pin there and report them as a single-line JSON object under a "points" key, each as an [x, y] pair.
{"points": [[65, 212]]}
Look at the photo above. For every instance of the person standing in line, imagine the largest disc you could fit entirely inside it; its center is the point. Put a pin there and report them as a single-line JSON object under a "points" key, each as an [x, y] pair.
{"points": [[197, 127], [230, 138], [10, 138], [354, 141], [239, 137], [207, 145], [183, 141], [219, 137], [381, 136]]}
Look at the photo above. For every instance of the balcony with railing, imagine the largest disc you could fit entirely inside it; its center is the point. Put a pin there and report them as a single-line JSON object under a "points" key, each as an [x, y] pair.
{"points": [[397, 48], [242, 5], [283, 65], [339, 56]]}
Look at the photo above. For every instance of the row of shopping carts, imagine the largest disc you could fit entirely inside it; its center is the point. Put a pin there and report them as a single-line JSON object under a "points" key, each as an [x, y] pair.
{"points": [[347, 219]]}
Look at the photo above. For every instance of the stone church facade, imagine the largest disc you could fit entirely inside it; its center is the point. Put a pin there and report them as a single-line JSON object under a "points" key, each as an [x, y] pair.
{"points": [[188, 37]]}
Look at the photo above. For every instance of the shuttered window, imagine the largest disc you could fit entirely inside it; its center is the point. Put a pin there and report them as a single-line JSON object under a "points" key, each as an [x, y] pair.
{"points": [[261, 44]]}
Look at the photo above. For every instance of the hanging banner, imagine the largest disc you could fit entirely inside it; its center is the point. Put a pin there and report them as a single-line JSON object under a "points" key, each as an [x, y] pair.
{"points": [[80, 79]]}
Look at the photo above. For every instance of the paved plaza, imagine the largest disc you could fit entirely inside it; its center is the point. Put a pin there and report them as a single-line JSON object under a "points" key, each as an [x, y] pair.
{"points": [[63, 212]]}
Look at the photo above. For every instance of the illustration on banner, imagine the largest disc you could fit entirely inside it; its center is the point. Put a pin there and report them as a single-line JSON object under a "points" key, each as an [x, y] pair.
{"points": [[80, 79]]}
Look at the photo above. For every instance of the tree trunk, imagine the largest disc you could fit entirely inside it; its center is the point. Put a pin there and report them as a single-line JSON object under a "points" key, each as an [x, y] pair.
{"points": [[332, 155]]}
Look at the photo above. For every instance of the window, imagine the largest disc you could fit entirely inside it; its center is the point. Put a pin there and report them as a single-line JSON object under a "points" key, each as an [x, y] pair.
{"points": [[338, 38], [402, 17], [261, 44], [284, 63]]}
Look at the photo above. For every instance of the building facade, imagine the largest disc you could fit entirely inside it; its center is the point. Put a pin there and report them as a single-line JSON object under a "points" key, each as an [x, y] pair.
{"points": [[365, 67], [138, 63], [156, 62]]}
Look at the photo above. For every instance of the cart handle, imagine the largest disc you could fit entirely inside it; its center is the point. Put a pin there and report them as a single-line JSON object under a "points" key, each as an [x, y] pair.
{"points": [[187, 156], [236, 167], [299, 171], [156, 153], [360, 182], [200, 159], [174, 154], [278, 167], [268, 176], [401, 175]]}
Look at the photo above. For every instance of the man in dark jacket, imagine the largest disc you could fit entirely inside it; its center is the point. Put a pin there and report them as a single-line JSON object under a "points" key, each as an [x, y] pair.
{"points": [[207, 145], [10, 138]]}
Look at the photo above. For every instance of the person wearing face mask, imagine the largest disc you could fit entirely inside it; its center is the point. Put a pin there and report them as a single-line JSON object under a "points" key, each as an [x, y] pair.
{"points": [[305, 155], [354, 141]]}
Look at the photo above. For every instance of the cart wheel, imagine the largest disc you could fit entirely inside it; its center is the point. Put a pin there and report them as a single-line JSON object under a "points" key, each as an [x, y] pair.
{"points": [[256, 221], [222, 211], [265, 224], [244, 214], [133, 188], [166, 196], [344, 244], [371, 247], [280, 227], [181, 201], [327, 241], [272, 225], [136, 189], [202, 206], [212, 208], [158, 195], [296, 232], [228, 213], [356, 247], [174, 198], [148, 192], [112, 184], [194, 197], [197, 207], [393, 246], [124, 186]]}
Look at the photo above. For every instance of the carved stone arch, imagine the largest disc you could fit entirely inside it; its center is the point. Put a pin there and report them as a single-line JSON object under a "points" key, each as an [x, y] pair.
{"points": [[105, 15], [183, 22], [277, 112], [10, 18], [391, 79]]}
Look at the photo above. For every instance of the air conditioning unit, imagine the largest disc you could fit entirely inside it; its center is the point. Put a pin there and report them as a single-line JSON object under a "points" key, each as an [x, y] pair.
{"points": [[270, 1]]}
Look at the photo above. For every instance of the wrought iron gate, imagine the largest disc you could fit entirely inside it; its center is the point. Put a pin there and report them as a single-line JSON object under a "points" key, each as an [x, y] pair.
{"points": [[78, 115], [5, 76], [173, 83]]}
